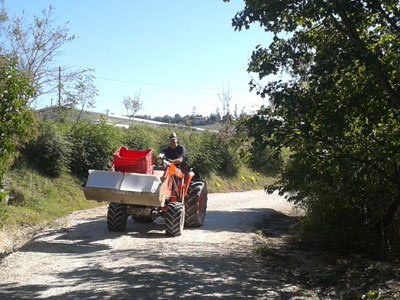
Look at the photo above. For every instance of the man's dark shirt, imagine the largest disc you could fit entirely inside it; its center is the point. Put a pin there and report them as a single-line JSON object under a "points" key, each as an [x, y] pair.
{"points": [[174, 153]]}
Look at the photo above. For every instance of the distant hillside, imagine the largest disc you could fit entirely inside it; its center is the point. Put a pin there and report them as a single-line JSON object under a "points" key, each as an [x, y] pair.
{"points": [[53, 112]]}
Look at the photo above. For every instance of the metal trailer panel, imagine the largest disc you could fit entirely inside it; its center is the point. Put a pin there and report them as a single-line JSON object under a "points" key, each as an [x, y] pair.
{"points": [[132, 198], [105, 179], [134, 182], [128, 188]]}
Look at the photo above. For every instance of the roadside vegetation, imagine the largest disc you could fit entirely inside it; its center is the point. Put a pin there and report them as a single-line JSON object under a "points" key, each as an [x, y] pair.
{"points": [[337, 109], [44, 181]]}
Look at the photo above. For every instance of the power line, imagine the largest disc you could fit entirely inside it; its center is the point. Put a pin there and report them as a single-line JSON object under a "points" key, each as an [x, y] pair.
{"points": [[163, 85]]}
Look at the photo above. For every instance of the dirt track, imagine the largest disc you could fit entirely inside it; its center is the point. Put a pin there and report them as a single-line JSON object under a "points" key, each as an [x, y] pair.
{"points": [[82, 260]]}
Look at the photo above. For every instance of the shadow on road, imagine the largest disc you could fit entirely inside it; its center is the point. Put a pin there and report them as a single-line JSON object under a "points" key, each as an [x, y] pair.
{"points": [[166, 269], [235, 221], [179, 275], [82, 238]]}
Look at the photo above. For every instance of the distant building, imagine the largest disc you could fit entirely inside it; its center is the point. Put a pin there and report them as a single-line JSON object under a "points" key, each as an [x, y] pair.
{"points": [[199, 120]]}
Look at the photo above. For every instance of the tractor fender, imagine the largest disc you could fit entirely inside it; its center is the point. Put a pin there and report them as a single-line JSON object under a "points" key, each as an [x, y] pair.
{"points": [[189, 177]]}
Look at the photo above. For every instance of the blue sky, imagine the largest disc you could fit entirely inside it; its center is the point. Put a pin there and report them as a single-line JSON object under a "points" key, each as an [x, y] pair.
{"points": [[179, 54]]}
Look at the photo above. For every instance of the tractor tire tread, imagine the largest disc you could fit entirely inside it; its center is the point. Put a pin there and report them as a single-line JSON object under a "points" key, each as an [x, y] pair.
{"points": [[193, 216], [174, 218], [116, 217]]}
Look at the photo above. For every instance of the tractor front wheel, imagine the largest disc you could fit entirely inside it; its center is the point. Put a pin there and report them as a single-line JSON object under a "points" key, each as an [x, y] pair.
{"points": [[175, 218], [117, 217], [196, 204]]}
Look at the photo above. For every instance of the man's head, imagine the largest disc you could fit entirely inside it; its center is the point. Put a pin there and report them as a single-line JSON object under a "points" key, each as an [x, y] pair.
{"points": [[173, 140]]}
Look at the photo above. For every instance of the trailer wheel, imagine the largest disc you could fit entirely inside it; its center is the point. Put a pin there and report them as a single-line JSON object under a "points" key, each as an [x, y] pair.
{"points": [[196, 204], [117, 217], [175, 218]]}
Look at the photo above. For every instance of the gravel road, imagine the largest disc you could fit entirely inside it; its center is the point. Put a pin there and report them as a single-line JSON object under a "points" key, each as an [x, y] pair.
{"points": [[82, 260]]}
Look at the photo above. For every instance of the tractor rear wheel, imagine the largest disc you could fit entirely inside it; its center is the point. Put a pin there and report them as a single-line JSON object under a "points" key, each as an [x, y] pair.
{"points": [[117, 217], [196, 204], [175, 218]]}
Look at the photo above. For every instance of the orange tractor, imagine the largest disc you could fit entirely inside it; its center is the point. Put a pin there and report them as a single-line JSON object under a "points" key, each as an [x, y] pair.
{"points": [[135, 187]]}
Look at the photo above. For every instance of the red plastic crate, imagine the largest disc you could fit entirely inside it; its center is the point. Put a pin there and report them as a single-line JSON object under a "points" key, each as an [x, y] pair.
{"points": [[133, 161]]}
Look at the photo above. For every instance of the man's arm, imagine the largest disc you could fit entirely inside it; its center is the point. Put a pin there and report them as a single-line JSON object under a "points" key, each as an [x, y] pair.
{"points": [[177, 160], [162, 154], [181, 155]]}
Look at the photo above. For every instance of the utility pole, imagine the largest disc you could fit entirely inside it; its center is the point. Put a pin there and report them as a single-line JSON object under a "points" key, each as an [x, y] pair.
{"points": [[225, 99], [59, 88]]}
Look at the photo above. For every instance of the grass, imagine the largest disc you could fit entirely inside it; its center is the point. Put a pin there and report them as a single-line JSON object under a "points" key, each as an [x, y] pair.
{"points": [[39, 200], [245, 180]]}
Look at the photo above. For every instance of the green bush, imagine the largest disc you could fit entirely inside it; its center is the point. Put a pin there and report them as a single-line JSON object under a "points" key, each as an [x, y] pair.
{"points": [[50, 151], [266, 159], [93, 146], [230, 160], [211, 152], [15, 116], [208, 152], [348, 201], [140, 138], [195, 143]]}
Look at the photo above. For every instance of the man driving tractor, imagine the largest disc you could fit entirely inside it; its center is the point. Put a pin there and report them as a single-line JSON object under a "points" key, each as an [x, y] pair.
{"points": [[180, 196], [174, 152]]}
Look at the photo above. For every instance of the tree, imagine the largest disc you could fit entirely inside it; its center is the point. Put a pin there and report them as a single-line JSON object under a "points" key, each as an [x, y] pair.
{"points": [[83, 94], [15, 115], [212, 118], [338, 113], [177, 118], [35, 45], [217, 116], [132, 106]]}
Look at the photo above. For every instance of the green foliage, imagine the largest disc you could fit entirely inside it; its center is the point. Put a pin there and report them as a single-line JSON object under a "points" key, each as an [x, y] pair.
{"points": [[261, 158], [201, 151], [228, 156], [93, 146], [208, 152], [141, 138], [50, 151], [339, 114], [373, 294], [15, 115], [3, 210]]}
